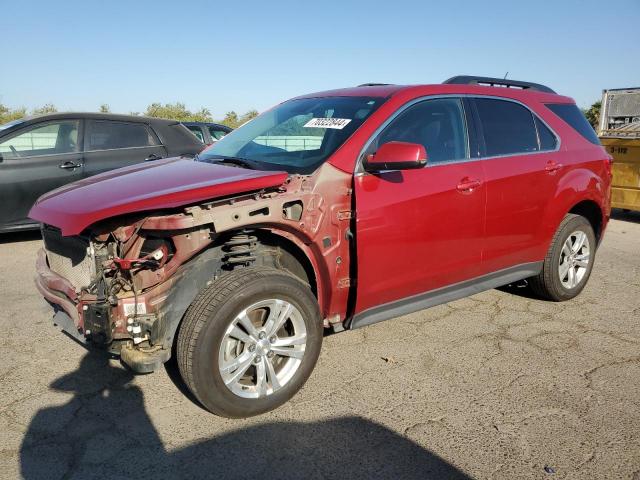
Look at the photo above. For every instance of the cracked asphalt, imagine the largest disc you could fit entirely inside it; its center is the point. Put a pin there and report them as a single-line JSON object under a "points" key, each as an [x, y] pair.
{"points": [[497, 385]]}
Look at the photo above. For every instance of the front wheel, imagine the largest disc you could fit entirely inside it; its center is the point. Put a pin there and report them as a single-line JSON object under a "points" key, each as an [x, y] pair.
{"points": [[249, 341], [569, 261]]}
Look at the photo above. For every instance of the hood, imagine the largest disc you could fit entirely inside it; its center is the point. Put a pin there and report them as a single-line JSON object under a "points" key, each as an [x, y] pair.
{"points": [[167, 183]]}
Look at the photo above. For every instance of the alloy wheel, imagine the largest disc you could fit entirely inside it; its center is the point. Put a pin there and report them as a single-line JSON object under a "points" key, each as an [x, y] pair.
{"points": [[262, 348], [574, 259]]}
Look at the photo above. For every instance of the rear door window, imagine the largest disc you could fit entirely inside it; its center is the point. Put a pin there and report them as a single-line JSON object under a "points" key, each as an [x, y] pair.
{"points": [[109, 135], [546, 138], [508, 127], [50, 138]]}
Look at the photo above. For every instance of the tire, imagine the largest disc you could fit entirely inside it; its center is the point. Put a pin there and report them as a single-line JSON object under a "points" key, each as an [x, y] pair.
{"points": [[548, 284], [215, 337]]}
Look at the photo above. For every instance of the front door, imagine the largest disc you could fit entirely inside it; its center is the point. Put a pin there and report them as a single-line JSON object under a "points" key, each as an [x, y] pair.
{"points": [[113, 144], [34, 160], [419, 230]]}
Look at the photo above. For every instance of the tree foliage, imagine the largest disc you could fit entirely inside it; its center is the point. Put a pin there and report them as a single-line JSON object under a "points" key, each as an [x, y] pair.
{"points": [[46, 108], [8, 114], [178, 111], [233, 120], [173, 111], [593, 114]]}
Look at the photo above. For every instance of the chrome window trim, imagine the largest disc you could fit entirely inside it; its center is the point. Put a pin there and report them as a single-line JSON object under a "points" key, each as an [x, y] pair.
{"points": [[81, 152], [360, 171], [123, 148]]}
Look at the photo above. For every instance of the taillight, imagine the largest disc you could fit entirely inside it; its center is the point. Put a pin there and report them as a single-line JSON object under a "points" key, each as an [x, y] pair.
{"points": [[609, 165]]}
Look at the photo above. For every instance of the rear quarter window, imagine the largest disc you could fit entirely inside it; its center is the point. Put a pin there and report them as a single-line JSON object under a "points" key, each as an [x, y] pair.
{"points": [[570, 113]]}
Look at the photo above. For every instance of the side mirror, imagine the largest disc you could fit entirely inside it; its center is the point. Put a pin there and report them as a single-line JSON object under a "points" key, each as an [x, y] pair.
{"points": [[397, 156]]}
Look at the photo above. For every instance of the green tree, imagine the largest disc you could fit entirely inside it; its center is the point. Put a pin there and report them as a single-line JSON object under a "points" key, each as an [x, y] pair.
{"points": [[104, 108], [9, 114], [593, 114], [177, 111], [233, 120], [46, 108]]}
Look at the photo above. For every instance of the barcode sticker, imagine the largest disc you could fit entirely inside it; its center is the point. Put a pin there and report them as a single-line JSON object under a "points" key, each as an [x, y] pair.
{"points": [[129, 309], [337, 123]]}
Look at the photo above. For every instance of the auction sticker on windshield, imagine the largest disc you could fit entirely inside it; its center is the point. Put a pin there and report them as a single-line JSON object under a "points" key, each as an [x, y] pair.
{"points": [[337, 123]]}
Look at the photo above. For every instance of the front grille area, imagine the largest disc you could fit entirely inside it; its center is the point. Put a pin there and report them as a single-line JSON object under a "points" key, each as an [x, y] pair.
{"points": [[69, 257]]}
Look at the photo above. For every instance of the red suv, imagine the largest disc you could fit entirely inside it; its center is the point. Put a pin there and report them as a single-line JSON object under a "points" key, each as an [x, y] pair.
{"points": [[333, 210]]}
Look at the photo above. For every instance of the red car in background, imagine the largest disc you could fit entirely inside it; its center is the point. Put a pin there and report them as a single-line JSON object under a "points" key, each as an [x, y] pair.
{"points": [[333, 210]]}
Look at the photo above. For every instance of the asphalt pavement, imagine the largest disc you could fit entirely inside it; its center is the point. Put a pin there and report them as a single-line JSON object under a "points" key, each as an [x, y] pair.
{"points": [[498, 385]]}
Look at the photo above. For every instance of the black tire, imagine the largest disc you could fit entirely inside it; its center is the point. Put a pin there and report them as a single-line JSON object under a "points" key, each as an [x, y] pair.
{"points": [[205, 323], [547, 284]]}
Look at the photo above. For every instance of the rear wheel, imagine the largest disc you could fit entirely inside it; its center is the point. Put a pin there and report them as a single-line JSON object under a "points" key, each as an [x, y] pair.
{"points": [[249, 341], [569, 261]]}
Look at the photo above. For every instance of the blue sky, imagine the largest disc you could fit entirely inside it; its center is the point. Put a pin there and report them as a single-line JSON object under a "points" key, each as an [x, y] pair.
{"points": [[241, 55]]}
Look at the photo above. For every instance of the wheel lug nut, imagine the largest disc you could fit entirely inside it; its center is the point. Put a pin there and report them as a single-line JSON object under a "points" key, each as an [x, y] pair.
{"points": [[270, 354], [252, 348], [261, 335], [272, 339], [258, 359]]}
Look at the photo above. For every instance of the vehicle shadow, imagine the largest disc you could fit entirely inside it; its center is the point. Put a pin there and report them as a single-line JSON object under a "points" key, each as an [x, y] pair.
{"points": [[24, 236], [105, 432], [625, 215]]}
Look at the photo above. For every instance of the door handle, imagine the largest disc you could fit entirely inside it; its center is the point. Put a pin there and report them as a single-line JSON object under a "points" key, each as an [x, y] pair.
{"points": [[552, 167], [151, 157], [69, 165], [468, 185]]}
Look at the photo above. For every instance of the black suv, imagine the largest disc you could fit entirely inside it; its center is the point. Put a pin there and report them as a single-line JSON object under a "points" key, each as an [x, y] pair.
{"points": [[41, 153]]}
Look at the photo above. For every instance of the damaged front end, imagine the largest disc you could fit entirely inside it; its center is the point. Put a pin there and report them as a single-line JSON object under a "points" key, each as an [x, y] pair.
{"points": [[125, 283], [100, 294]]}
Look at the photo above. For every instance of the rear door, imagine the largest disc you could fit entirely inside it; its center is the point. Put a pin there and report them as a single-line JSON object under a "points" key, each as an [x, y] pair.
{"points": [[111, 144], [419, 230], [521, 165], [36, 159]]}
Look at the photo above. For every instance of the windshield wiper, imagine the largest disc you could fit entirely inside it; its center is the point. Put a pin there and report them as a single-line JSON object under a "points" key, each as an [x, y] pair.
{"points": [[240, 162]]}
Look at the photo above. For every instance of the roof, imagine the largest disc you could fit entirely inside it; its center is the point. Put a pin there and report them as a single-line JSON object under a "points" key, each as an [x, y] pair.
{"points": [[385, 91], [207, 124], [100, 116]]}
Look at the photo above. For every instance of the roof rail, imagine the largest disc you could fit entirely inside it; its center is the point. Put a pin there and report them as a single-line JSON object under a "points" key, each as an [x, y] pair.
{"points": [[374, 84], [497, 82]]}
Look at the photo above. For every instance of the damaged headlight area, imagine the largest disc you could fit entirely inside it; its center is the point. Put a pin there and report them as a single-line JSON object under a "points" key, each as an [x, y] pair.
{"points": [[108, 277]]}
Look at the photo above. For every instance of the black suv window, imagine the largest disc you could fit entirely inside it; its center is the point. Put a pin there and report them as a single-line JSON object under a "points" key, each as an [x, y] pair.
{"points": [[217, 133], [42, 139], [197, 131], [437, 124], [508, 127], [570, 113], [108, 134]]}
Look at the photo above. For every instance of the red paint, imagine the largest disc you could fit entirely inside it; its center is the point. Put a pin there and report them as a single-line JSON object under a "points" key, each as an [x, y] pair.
{"points": [[161, 184], [394, 155], [415, 230]]}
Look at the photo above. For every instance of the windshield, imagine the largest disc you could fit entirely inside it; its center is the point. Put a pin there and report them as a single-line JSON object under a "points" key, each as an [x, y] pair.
{"points": [[296, 136]]}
